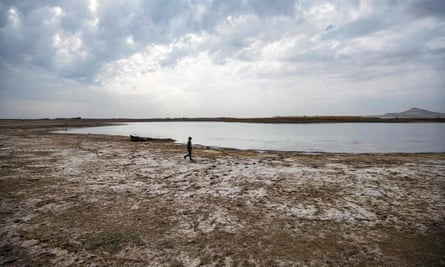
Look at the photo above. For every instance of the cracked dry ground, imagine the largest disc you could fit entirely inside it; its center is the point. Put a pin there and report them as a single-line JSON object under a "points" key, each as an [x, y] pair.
{"points": [[104, 201]]}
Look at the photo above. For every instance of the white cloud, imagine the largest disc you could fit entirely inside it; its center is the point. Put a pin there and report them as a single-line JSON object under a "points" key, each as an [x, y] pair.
{"points": [[239, 58], [92, 6], [13, 17]]}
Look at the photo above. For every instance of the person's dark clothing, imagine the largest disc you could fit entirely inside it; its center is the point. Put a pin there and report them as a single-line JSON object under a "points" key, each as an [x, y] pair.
{"points": [[189, 149], [189, 145]]}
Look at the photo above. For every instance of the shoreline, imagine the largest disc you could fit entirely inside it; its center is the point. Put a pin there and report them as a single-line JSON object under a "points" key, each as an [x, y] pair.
{"points": [[375, 148], [62, 125], [217, 148], [104, 200], [91, 122]]}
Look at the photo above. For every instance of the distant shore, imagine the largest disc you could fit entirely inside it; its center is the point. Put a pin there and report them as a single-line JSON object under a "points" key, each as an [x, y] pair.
{"points": [[93, 122], [303, 119]]}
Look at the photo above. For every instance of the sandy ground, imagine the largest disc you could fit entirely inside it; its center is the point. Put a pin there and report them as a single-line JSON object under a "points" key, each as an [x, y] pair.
{"points": [[73, 200]]}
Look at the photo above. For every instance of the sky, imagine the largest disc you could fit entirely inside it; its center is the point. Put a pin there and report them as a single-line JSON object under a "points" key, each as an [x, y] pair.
{"points": [[240, 58]]}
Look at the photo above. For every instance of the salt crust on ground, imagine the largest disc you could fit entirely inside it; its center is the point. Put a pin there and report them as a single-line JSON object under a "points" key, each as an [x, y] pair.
{"points": [[222, 194]]}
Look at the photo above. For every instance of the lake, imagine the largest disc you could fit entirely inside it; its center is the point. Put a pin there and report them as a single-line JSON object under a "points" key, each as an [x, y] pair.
{"points": [[312, 137]]}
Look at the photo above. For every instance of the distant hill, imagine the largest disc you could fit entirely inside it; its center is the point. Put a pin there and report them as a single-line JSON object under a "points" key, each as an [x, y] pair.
{"points": [[414, 113]]}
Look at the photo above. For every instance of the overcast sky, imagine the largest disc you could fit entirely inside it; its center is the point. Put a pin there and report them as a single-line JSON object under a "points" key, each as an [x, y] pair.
{"points": [[244, 58]]}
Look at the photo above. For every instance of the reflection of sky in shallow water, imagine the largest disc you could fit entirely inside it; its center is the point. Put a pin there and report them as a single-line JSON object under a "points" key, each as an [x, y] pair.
{"points": [[326, 137]]}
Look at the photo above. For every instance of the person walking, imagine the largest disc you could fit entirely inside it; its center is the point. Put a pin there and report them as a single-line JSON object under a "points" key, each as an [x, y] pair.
{"points": [[189, 149]]}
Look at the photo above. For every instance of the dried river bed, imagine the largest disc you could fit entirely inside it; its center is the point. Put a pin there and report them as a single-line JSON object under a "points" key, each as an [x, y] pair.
{"points": [[91, 200]]}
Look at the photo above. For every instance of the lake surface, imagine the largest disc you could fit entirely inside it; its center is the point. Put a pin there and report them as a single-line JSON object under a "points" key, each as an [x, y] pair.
{"points": [[313, 137]]}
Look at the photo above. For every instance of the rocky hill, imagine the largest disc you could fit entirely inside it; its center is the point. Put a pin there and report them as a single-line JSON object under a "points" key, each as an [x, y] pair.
{"points": [[414, 113]]}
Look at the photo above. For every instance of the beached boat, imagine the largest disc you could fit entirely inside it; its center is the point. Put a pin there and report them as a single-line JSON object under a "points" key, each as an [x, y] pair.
{"points": [[135, 138]]}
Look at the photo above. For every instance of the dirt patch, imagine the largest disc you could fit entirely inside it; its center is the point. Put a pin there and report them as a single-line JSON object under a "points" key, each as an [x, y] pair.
{"points": [[105, 201]]}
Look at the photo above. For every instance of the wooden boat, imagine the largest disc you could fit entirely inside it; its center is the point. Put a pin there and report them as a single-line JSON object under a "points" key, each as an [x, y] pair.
{"points": [[135, 138]]}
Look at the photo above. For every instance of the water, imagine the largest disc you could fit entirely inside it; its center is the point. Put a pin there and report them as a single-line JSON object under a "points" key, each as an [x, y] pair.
{"points": [[314, 137]]}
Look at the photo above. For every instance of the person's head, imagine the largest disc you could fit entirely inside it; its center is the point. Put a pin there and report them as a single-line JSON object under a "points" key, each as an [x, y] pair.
{"points": [[190, 138]]}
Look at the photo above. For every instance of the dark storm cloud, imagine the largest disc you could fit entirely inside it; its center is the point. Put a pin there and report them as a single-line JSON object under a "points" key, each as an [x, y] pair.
{"points": [[104, 33], [425, 8], [47, 44]]}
